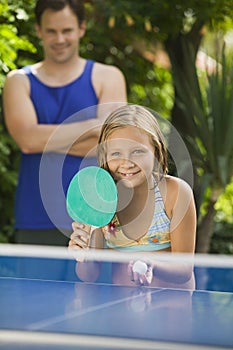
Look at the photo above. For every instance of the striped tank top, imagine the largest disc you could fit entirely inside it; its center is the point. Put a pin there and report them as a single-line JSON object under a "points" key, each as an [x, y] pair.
{"points": [[156, 238]]}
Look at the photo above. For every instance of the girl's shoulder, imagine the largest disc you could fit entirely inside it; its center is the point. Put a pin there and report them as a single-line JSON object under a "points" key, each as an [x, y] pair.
{"points": [[173, 190], [174, 183]]}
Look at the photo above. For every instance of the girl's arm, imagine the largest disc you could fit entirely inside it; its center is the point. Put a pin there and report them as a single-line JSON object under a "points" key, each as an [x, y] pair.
{"points": [[183, 217], [180, 208]]}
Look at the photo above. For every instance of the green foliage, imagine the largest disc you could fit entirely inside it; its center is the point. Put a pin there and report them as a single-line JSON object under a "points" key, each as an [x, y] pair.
{"points": [[156, 19], [207, 107], [155, 90], [11, 15], [222, 242], [222, 239], [220, 120], [8, 178], [224, 206], [208, 110], [10, 43]]}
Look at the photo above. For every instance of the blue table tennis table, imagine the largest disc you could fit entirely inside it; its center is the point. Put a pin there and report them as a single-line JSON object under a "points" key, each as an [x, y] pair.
{"points": [[43, 305]]}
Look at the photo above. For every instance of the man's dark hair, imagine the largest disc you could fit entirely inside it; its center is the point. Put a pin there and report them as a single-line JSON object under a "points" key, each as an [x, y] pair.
{"points": [[76, 6]]}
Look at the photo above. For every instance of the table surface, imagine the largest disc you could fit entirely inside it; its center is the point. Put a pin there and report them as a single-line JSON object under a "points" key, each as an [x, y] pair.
{"points": [[54, 313]]}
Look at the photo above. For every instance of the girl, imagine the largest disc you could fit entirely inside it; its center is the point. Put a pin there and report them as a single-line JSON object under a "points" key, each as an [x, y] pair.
{"points": [[155, 212]]}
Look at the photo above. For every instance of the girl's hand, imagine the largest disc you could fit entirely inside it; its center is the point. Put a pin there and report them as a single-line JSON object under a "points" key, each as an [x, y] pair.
{"points": [[80, 238], [144, 279]]}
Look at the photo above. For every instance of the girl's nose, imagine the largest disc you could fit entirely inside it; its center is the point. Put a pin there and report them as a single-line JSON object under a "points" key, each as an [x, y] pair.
{"points": [[127, 163]]}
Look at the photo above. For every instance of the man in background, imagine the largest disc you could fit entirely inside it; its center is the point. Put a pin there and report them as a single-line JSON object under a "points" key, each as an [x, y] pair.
{"points": [[53, 110]]}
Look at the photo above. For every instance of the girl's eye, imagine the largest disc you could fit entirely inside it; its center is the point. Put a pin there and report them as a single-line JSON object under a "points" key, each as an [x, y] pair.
{"points": [[115, 154], [138, 151]]}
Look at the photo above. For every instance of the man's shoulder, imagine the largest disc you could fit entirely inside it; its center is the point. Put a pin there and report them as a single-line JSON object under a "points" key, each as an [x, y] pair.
{"points": [[16, 76], [103, 68], [22, 72], [16, 73], [109, 82]]}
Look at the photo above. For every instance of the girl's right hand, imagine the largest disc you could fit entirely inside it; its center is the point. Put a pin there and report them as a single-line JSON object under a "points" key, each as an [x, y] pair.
{"points": [[144, 279], [80, 238]]}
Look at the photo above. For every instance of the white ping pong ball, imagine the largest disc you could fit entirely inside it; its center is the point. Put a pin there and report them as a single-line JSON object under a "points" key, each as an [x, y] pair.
{"points": [[140, 267]]}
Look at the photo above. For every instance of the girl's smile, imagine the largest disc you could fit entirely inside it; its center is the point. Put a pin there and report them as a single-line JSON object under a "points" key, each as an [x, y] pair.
{"points": [[128, 175]]}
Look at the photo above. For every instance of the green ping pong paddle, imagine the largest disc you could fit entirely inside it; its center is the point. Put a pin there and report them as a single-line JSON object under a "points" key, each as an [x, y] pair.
{"points": [[92, 197]]}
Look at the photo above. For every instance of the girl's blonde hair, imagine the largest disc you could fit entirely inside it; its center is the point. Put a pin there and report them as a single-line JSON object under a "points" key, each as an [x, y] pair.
{"points": [[142, 118]]}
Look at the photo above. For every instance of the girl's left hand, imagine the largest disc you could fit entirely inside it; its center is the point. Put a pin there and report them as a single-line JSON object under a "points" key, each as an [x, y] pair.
{"points": [[144, 279]]}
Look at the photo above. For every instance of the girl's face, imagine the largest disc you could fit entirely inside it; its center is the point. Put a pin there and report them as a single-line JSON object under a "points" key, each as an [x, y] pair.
{"points": [[130, 156]]}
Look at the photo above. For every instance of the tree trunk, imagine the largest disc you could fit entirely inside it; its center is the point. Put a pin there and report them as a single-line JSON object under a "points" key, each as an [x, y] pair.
{"points": [[182, 52], [205, 230], [206, 227]]}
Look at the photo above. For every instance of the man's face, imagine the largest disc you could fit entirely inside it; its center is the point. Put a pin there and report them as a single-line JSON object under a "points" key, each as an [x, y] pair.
{"points": [[60, 33]]}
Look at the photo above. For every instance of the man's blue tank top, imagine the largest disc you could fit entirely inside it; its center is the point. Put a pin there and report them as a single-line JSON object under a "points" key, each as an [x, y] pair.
{"points": [[44, 179]]}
